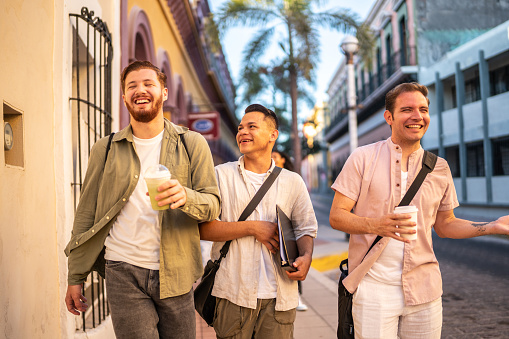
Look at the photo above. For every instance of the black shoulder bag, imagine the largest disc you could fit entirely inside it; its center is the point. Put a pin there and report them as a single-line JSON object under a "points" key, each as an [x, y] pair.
{"points": [[345, 319], [204, 301]]}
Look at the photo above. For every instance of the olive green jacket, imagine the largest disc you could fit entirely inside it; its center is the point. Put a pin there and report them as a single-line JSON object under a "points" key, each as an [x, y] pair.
{"points": [[104, 195]]}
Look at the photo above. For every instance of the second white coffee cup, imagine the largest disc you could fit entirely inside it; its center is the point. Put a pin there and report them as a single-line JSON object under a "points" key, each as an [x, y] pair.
{"points": [[412, 210]]}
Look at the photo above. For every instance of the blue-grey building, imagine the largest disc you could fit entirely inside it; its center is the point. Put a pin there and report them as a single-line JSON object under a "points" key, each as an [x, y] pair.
{"points": [[469, 93]]}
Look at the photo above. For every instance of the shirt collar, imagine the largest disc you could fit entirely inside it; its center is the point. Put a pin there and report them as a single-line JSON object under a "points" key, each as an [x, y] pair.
{"points": [[242, 169], [397, 148], [170, 130]]}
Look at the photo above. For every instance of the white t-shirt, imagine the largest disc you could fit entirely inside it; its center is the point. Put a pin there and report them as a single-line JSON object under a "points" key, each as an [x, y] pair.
{"points": [[267, 286], [135, 236], [389, 265]]}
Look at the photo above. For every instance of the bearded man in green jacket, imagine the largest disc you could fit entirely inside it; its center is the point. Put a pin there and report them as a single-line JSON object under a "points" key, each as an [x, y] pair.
{"points": [[150, 258]]}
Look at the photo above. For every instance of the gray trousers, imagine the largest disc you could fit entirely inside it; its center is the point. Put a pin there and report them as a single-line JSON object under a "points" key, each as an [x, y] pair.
{"points": [[137, 311]]}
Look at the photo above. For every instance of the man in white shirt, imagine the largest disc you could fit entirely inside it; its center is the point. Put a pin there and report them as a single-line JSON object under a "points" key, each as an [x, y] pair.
{"points": [[256, 298]]}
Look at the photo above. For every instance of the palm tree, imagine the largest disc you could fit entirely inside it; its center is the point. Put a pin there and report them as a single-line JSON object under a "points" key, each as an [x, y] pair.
{"points": [[271, 83], [299, 43]]}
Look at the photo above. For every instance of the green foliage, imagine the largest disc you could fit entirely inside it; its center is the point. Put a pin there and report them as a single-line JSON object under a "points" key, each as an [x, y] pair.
{"points": [[295, 26]]}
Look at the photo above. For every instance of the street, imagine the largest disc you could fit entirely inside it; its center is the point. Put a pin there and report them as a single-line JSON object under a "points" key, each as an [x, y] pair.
{"points": [[475, 279]]}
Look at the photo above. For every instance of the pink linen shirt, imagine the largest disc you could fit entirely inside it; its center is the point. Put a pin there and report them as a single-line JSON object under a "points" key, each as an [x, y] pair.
{"points": [[237, 277], [372, 178]]}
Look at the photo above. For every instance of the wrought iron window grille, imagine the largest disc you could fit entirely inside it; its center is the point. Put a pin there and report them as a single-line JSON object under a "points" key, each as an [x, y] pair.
{"points": [[91, 118]]}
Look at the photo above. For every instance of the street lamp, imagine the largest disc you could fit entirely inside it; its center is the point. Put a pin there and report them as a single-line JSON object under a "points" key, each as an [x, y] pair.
{"points": [[350, 47], [309, 130]]}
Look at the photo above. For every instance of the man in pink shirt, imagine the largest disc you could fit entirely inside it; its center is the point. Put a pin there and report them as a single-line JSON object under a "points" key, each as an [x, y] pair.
{"points": [[398, 285]]}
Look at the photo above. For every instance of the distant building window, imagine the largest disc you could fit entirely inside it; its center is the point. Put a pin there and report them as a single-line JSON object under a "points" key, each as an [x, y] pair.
{"points": [[472, 92], [402, 41], [499, 80], [475, 160], [452, 155], [500, 148]]}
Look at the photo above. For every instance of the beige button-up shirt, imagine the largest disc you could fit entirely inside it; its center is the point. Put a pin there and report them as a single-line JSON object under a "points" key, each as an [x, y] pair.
{"points": [[372, 178], [237, 278]]}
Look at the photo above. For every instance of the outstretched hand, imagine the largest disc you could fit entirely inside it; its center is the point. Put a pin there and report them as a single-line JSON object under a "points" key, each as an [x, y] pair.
{"points": [[502, 225]]}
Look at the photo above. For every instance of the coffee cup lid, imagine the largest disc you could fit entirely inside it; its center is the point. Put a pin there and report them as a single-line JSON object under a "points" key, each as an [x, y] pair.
{"points": [[156, 172], [406, 209]]}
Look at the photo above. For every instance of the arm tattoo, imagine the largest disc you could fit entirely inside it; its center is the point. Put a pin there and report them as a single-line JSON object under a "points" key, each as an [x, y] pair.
{"points": [[480, 226]]}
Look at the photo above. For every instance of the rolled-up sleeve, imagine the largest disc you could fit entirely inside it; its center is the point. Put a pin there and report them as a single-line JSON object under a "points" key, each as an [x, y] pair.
{"points": [[303, 214], [203, 200]]}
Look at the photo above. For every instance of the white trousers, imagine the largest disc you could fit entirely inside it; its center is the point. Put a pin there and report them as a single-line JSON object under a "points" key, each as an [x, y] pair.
{"points": [[379, 312]]}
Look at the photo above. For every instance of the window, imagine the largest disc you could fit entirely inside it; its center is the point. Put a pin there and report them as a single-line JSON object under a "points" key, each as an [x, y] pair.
{"points": [[500, 149], [475, 160], [499, 80], [402, 42], [379, 67], [388, 54], [472, 92], [452, 155]]}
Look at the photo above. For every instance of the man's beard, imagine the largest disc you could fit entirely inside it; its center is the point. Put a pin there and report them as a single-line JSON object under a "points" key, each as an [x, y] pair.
{"points": [[145, 115]]}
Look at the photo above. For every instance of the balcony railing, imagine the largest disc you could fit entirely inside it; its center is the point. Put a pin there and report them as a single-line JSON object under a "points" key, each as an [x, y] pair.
{"points": [[375, 80], [337, 119]]}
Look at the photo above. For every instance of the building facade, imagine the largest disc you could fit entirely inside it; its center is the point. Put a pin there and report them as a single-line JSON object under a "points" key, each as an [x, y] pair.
{"points": [[60, 92], [469, 93], [409, 35], [171, 35]]}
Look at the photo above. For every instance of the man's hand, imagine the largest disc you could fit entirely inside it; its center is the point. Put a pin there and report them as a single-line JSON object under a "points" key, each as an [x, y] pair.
{"points": [[302, 265], [386, 226], [501, 225], [266, 233], [74, 300], [172, 193]]}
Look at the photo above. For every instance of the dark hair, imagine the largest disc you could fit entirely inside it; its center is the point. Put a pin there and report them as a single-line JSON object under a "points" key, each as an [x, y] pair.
{"points": [[288, 162], [137, 65], [267, 112], [392, 95]]}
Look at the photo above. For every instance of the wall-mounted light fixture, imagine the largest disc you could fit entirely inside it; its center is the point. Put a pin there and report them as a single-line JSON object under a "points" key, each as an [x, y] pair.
{"points": [[8, 137]]}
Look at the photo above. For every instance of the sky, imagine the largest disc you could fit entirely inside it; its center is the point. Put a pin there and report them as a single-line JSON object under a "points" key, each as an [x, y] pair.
{"points": [[330, 57]]}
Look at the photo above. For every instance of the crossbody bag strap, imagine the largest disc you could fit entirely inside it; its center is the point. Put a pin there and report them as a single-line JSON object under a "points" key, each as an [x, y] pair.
{"points": [[429, 161], [428, 164], [252, 205]]}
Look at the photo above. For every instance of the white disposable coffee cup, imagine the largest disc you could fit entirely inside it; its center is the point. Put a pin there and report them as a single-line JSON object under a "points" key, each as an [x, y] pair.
{"points": [[412, 210], [154, 176]]}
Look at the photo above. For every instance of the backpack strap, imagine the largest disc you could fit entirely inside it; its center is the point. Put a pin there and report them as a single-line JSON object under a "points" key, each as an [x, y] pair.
{"points": [[108, 146]]}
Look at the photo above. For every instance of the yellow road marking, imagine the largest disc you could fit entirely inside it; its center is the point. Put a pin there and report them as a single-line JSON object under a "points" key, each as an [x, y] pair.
{"points": [[329, 262]]}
